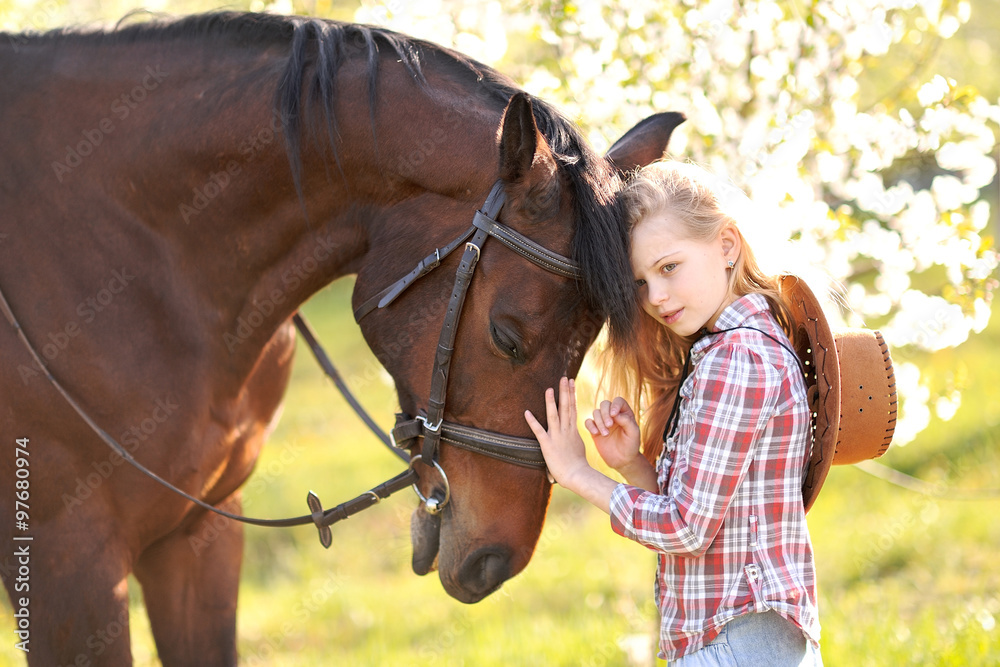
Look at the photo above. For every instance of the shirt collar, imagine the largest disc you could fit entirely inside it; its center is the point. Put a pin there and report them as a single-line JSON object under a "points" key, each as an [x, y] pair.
{"points": [[734, 315]]}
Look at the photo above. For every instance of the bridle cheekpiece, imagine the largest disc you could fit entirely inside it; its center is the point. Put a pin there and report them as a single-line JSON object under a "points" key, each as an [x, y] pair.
{"points": [[430, 424]]}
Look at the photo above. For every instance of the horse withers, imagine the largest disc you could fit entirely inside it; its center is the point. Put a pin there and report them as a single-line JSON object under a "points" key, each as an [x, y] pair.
{"points": [[171, 192]]}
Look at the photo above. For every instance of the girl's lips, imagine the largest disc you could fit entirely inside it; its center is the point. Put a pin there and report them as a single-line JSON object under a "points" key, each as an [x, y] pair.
{"points": [[672, 317]]}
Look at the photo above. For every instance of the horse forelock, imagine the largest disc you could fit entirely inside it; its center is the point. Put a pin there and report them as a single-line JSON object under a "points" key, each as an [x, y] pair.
{"points": [[600, 243]]}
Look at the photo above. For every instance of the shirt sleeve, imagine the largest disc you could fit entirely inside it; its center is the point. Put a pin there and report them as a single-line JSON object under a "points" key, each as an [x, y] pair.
{"points": [[734, 393]]}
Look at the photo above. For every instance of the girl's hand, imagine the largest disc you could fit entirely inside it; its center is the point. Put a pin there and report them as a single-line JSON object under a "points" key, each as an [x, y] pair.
{"points": [[562, 445], [616, 434], [563, 448]]}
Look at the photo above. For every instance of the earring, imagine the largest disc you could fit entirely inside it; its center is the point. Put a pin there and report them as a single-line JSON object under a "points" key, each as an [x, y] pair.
{"points": [[731, 264]]}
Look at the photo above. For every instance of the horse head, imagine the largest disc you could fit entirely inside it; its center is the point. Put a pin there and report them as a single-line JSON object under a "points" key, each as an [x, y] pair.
{"points": [[522, 327]]}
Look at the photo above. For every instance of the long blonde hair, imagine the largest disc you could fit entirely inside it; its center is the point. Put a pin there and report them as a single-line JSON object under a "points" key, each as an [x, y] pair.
{"points": [[646, 369]]}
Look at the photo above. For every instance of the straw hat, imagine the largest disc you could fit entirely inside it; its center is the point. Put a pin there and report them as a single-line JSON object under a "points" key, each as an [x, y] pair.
{"points": [[851, 386]]}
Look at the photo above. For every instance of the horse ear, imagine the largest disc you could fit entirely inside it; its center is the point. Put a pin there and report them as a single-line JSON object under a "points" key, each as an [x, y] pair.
{"points": [[522, 147], [644, 143], [527, 167]]}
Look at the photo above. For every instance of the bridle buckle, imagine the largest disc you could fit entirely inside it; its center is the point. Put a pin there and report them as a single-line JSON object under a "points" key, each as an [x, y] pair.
{"points": [[433, 428]]}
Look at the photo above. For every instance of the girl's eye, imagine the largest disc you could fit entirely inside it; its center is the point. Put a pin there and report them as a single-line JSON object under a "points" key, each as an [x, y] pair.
{"points": [[668, 267], [640, 282]]}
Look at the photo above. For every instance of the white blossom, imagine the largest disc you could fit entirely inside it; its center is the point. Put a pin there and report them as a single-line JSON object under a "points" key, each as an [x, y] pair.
{"points": [[933, 91], [913, 413], [772, 100], [928, 322]]}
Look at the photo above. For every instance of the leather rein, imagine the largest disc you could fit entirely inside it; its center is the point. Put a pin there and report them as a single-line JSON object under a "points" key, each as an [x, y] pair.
{"points": [[429, 424]]}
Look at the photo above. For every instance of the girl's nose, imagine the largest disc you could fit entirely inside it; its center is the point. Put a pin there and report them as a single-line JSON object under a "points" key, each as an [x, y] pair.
{"points": [[656, 294]]}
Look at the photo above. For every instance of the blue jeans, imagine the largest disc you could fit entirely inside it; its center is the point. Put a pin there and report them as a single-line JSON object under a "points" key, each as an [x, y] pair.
{"points": [[756, 640]]}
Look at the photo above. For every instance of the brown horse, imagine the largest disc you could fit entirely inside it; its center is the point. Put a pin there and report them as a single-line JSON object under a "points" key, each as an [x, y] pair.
{"points": [[170, 193]]}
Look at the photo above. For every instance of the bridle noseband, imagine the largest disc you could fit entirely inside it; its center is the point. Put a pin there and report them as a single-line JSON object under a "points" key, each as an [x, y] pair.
{"points": [[429, 425]]}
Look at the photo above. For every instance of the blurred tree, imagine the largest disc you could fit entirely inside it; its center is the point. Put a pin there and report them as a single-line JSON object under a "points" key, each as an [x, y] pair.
{"points": [[966, 56], [866, 167]]}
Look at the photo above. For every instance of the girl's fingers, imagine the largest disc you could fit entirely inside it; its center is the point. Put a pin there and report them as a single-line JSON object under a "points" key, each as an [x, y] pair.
{"points": [[551, 411], [625, 423], [572, 399], [606, 413], [567, 414], [620, 406], [598, 422], [533, 424], [591, 427]]}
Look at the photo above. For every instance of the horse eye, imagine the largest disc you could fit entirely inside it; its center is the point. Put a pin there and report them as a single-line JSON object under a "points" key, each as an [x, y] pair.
{"points": [[506, 343]]}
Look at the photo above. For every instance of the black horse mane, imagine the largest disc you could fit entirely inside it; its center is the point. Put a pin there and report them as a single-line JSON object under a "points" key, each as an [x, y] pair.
{"points": [[601, 242]]}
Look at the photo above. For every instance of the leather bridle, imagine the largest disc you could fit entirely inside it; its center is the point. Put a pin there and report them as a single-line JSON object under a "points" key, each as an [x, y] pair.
{"points": [[429, 424]]}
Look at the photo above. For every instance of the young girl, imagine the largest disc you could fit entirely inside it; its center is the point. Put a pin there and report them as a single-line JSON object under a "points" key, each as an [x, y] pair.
{"points": [[722, 504]]}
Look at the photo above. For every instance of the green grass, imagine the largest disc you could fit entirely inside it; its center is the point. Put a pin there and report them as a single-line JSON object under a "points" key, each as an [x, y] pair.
{"points": [[904, 579]]}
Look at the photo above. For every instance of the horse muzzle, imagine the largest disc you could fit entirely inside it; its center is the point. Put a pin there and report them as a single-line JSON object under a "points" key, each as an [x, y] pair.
{"points": [[481, 573], [467, 577]]}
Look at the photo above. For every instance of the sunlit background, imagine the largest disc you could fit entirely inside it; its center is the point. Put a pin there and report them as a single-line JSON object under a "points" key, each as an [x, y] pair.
{"points": [[865, 132]]}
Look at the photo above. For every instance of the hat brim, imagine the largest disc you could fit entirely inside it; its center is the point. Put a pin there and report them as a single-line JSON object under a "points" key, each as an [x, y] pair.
{"points": [[816, 347]]}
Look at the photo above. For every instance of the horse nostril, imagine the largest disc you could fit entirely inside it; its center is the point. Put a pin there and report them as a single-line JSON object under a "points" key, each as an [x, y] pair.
{"points": [[484, 571]]}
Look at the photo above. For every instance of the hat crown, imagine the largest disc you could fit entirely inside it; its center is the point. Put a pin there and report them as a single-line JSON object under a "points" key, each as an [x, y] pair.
{"points": [[851, 385], [868, 399]]}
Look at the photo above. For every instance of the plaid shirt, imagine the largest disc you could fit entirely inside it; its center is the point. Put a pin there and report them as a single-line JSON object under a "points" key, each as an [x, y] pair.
{"points": [[728, 521]]}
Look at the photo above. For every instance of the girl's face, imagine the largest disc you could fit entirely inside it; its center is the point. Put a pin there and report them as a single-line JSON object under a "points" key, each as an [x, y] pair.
{"points": [[683, 283]]}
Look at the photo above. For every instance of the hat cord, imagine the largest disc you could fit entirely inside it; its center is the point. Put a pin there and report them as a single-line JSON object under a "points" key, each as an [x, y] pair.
{"points": [[671, 427]]}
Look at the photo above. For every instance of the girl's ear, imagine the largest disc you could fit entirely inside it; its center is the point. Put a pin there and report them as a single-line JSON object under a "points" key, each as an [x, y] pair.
{"points": [[731, 243]]}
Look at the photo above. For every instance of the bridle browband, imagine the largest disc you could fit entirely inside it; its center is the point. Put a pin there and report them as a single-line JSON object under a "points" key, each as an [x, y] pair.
{"points": [[430, 424], [483, 223]]}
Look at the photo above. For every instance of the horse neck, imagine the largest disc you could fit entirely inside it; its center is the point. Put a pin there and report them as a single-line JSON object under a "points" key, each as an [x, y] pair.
{"points": [[168, 154], [195, 159]]}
